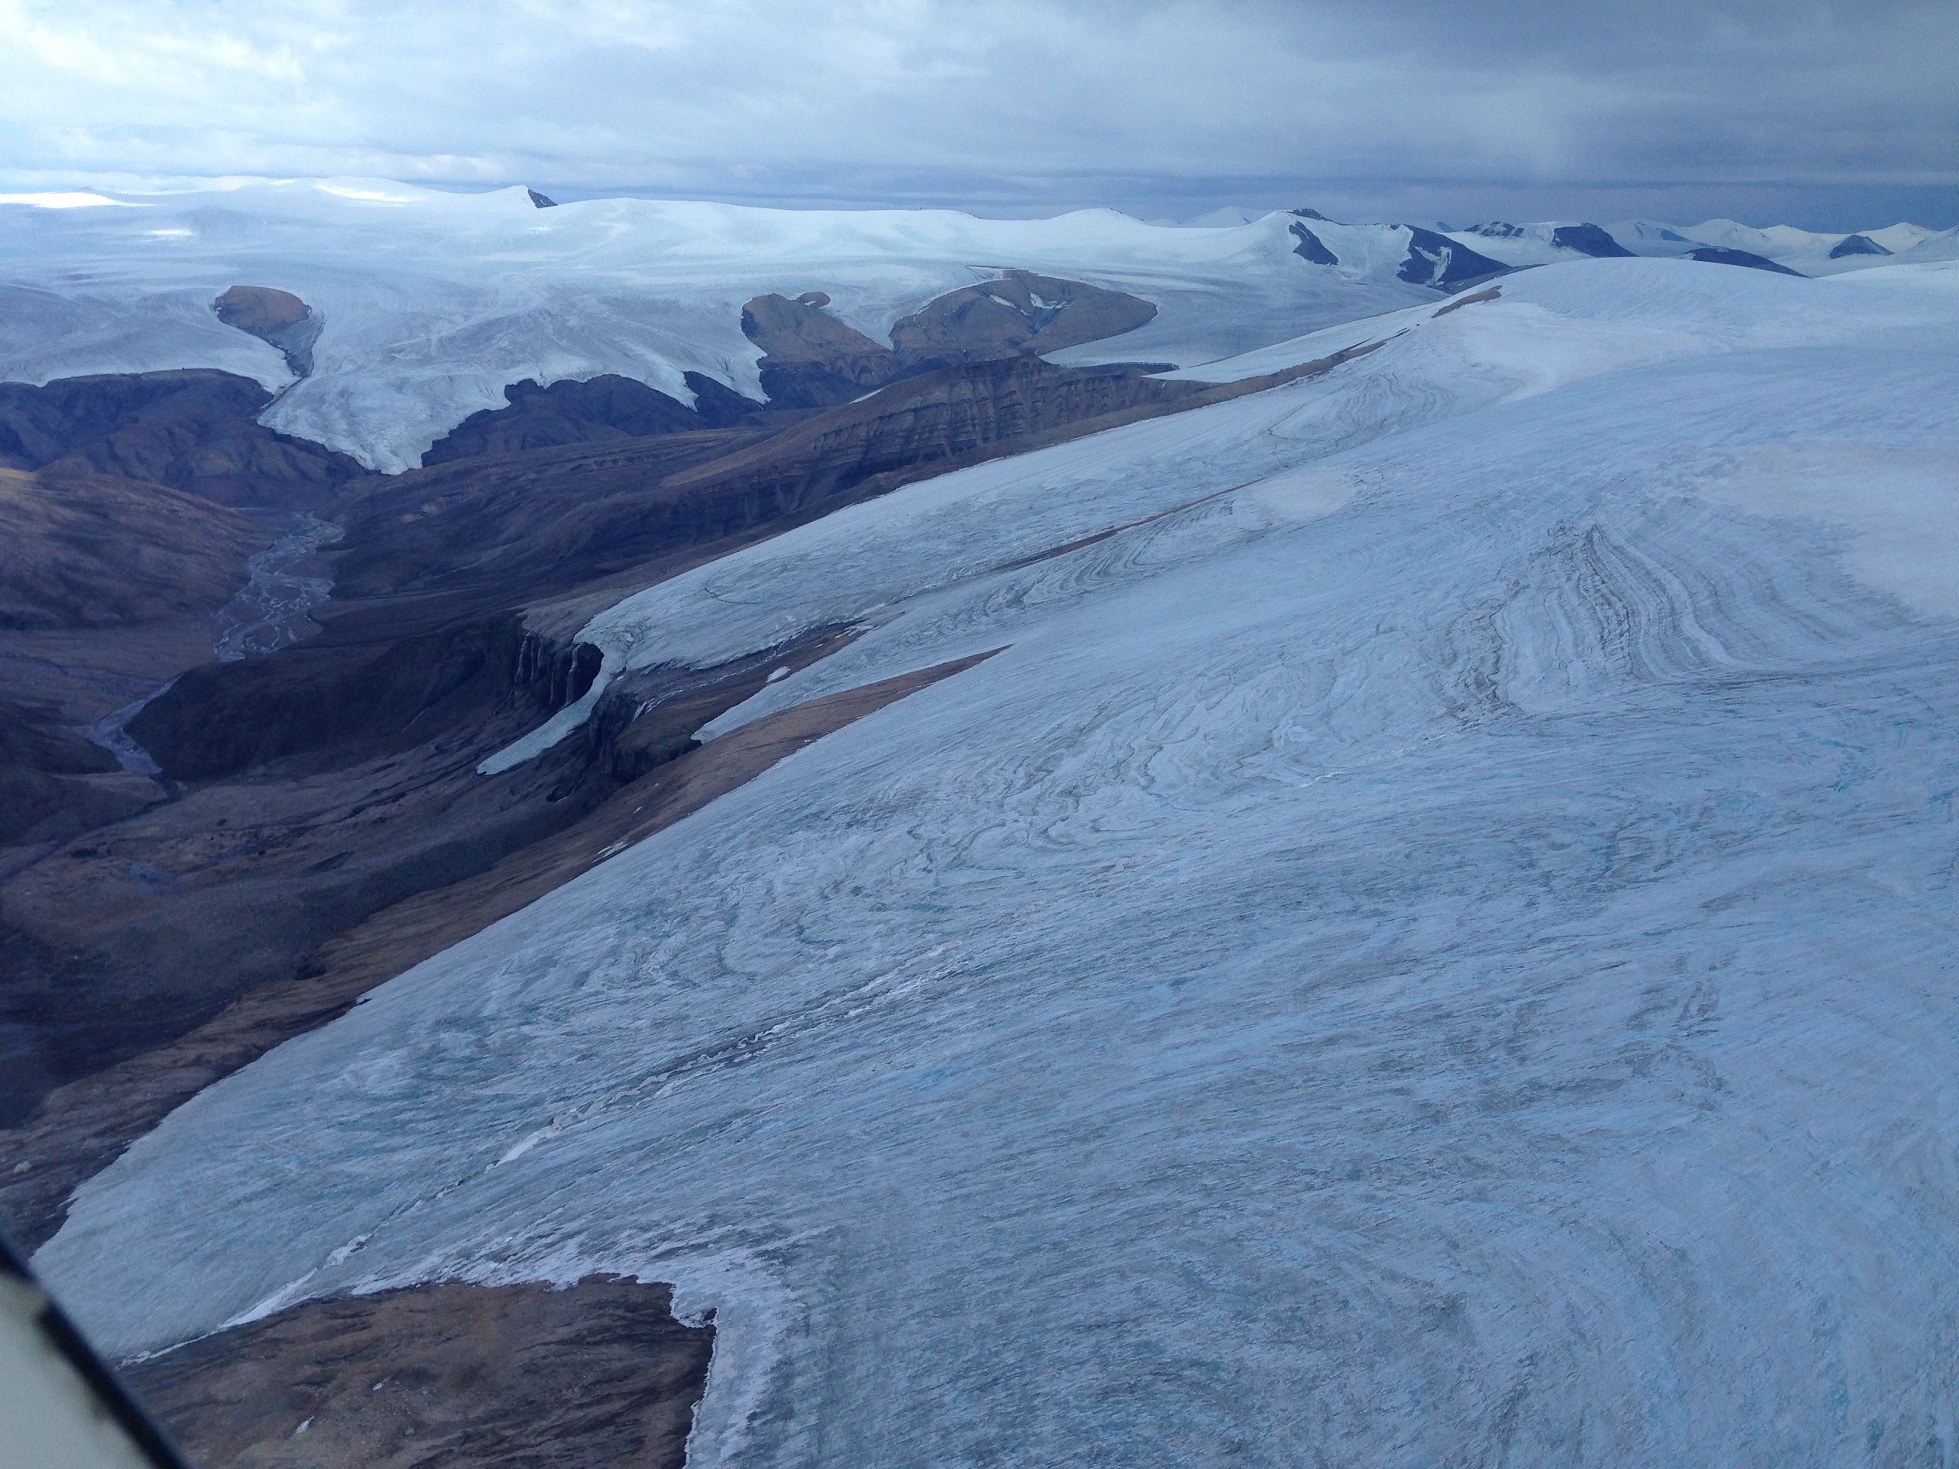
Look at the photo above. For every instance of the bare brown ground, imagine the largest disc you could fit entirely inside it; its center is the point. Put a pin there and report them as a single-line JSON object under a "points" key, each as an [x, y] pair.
{"points": [[88, 672], [1461, 301], [107, 586], [259, 309], [436, 1375]]}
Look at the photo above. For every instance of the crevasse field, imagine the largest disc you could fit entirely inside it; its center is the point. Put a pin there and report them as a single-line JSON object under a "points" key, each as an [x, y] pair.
{"points": [[1433, 943]]}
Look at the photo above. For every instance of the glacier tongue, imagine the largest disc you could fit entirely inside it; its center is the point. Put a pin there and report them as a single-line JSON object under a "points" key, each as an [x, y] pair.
{"points": [[1441, 954]]}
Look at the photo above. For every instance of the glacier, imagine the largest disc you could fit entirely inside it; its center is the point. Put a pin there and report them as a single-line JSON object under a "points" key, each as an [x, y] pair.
{"points": [[1432, 943]]}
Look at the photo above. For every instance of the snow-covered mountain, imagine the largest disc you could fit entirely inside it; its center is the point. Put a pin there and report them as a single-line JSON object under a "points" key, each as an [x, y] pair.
{"points": [[1430, 943], [1830, 254], [1544, 244], [432, 302], [1805, 251]]}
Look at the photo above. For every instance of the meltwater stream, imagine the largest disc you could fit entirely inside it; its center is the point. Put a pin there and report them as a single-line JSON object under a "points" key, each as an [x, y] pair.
{"points": [[287, 582], [111, 732]]}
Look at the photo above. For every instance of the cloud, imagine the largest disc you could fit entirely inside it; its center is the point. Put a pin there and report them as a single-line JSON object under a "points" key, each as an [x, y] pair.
{"points": [[1007, 101]]}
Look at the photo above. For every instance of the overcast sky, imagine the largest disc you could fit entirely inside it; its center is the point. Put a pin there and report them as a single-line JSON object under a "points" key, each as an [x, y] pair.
{"points": [[1822, 114]]}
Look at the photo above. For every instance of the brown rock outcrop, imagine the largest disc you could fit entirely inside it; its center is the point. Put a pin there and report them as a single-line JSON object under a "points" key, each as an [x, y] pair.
{"points": [[260, 310], [275, 317], [509, 525], [1021, 312], [812, 359], [816, 361], [445, 1374]]}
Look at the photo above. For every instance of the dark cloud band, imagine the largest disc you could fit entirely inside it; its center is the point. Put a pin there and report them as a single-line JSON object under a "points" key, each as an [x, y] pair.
{"points": [[1012, 104]]}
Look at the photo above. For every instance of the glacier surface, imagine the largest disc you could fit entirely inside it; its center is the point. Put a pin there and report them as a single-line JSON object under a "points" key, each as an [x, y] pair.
{"points": [[1432, 945]]}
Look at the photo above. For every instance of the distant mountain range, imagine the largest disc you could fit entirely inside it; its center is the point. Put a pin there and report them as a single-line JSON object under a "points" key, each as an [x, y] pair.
{"points": [[1806, 252], [419, 308]]}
